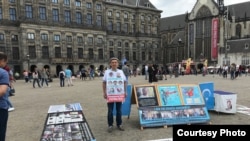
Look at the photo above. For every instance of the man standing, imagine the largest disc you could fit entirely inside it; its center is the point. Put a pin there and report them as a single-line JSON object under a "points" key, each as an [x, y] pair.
{"points": [[68, 75], [4, 84], [119, 95], [125, 70]]}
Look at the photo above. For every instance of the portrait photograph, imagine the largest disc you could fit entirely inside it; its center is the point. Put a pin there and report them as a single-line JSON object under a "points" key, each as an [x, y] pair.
{"points": [[146, 95]]}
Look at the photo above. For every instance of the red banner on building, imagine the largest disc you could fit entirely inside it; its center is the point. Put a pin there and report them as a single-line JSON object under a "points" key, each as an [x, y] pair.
{"points": [[214, 48]]}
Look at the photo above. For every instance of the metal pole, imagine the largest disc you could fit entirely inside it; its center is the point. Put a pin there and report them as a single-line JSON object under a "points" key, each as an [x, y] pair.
{"points": [[28, 59]]}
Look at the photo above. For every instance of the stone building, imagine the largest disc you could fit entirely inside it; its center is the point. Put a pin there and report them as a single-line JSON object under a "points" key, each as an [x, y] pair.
{"points": [[211, 31], [77, 33]]}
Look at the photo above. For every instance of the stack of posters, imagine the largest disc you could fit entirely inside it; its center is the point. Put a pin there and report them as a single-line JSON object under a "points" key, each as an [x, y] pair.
{"points": [[66, 123]]}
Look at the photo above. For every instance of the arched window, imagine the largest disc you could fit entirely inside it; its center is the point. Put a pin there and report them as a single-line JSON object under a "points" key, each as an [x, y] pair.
{"points": [[238, 30]]}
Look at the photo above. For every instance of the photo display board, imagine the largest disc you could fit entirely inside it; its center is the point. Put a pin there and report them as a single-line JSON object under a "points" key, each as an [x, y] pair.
{"points": [[171, 115], [169, 95], [191, 94], [66, 122], [146, 95]]}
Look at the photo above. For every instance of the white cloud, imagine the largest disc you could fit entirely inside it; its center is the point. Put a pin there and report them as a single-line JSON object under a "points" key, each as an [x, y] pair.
{"points": [[177, 7]]}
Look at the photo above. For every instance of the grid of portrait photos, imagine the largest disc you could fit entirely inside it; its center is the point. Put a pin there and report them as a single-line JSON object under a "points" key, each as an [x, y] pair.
{"points": [[66, 125]]}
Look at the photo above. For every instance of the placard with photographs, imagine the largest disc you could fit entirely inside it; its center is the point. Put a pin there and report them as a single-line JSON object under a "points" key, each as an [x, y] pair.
{"points": [[67, 132], [65, 107], [169, 95], [166, 115], [191, 94], [146, 95]]}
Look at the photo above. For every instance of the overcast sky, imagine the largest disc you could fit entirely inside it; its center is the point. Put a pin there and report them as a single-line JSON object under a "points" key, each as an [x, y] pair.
{"points": [[177, 7]]}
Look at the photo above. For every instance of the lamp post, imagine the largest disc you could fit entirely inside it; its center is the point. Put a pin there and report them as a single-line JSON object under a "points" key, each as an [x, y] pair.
{"points": [[28, 59], [179, 44]]}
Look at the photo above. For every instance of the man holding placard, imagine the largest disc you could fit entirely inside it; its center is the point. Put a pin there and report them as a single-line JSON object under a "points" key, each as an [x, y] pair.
{"points": [[114, 93]]}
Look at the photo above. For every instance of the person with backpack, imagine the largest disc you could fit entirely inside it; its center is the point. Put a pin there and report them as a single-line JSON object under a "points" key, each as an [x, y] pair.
{"points": [[61, 77]]}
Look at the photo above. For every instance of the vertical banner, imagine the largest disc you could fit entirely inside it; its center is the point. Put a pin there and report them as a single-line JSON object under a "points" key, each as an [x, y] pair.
{"points": [[214, 48]]}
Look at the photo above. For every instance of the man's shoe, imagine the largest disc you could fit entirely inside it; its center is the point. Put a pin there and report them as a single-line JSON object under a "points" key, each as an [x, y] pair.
{"points": [[120, 128], [110, 129], [11, 109]]}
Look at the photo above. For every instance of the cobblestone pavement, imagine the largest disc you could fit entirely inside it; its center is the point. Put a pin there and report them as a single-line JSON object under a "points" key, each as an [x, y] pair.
{"points": [[31, 105]]}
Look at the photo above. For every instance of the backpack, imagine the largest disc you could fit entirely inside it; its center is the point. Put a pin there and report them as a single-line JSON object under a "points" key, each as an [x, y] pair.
{"points": [[61, 75]]}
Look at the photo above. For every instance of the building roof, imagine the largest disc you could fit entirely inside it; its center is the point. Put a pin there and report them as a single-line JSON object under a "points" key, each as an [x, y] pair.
{"points": [[136, 3], [238, 45], [239, 10], [173, 22]]}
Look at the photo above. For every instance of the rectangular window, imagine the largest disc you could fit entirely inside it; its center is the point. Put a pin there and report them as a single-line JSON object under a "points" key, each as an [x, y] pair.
{"points": [[142, 28], [99, 20], [69, 38], [1, 13], [42, 13], [110, 25], [32, 52], [156, 56], [79, 40], [15, 50], [55, 14], [28, 11], [67, 2], [12, 14], [111, 53], [99, 40], [118, 14], [119, 55], [125, 15], [109, 13], [125, 29], [54, 1], [2, 49], [89, 5], [91, 53], [78, 3], [69, 52], [45, 52], [31, 36], [44, 37], [133, 28], [89, 19], [127, 55], [1, 37], [134, 45], [14, 37], [58, 52], [126, 44], [78, 17], [118, 27], [80, 53], [90, 40], [111, 43], [98, 7], [119, 44], [149, 29], [57, 38], [100, 54], [143, 56], [67, 17], [134, 56], [12, 1]]}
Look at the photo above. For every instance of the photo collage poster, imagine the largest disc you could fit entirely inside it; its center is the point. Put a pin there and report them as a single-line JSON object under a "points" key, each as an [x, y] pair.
{"points": [[169, 95], [191, 94]]}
